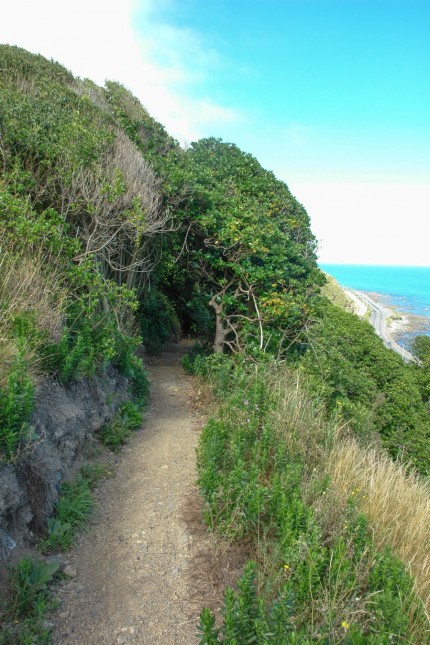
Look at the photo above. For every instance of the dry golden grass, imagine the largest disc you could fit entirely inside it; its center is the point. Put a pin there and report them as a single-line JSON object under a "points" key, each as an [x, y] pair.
{"points": [[395, 502], [28, 285], [301, 421], [25, 286]]}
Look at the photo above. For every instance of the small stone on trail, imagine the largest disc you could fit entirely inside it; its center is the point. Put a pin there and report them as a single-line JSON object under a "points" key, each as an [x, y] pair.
{"points": [[57, 558], [70, 571], [64, 614]]}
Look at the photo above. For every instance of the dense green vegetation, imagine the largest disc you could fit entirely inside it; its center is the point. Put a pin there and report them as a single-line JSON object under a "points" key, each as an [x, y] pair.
{"points": [[317, 576], [79, 208], [103, 215], [368, 385], [421, 349], [112, 235]]}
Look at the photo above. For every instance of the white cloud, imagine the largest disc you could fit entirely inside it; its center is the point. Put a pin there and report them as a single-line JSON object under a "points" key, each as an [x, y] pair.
{"points": [[369, 222], [126, 41]]}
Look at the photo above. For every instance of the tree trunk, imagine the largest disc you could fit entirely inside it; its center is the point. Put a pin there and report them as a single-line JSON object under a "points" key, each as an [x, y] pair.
{"points": [[220, 331]]}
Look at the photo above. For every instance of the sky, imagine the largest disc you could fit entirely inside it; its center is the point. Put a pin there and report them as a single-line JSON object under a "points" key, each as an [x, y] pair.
{"points": [[332, 95]]}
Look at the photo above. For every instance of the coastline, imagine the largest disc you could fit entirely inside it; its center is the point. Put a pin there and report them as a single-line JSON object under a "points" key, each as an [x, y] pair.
{"points": [[396, 325], [400, 322], [390, 324]]}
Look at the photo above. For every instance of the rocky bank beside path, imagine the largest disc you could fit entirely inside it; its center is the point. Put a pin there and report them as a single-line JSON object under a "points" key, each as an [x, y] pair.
{"points": [[136, 575]]}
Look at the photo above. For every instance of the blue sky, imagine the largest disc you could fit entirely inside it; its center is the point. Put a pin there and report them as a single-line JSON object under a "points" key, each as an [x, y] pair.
{"points": [[333, 95]]}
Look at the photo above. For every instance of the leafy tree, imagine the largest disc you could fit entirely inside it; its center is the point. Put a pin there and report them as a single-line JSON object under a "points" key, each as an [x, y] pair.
{"points": [[249, 243]]}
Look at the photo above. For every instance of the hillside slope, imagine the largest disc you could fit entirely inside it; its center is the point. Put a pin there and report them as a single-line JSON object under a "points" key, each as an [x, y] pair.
{"points": [[113, 240]]}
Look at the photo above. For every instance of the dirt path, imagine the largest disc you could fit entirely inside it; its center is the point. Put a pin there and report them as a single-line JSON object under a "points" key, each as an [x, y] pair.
{"points": [[135, 579]]}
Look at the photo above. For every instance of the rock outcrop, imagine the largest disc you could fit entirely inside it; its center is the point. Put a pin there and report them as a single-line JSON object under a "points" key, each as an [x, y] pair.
{"points": [[63, 427]]}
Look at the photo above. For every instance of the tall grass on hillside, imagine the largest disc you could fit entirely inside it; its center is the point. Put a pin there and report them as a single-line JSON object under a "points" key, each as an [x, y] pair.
{"points": [[319, 575], [395, 501], [31, 305]]}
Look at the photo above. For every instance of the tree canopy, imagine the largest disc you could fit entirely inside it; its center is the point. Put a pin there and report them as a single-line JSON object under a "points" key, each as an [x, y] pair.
{"points": [[249, 243]]}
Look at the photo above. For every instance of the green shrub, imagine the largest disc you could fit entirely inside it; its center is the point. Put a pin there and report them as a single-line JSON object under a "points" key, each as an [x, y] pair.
{"points": [[317, 575], [94, 473], [368, 385], [29, 581], [194, 359], [88, 341], [132, 366], [391, 595], [61, 180], [158, 320], [199, 313], [246, 619]]}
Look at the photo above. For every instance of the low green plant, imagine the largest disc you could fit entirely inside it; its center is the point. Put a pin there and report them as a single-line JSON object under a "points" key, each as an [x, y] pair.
{"points": [[94, 473], [28, 603], [16, 404], [29, 580], [129, 417], [193, 361], [72, 512], [247, 619]]}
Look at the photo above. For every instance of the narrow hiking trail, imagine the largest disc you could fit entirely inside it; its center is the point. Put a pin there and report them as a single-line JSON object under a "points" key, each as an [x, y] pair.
{"points": [[144, 567]]}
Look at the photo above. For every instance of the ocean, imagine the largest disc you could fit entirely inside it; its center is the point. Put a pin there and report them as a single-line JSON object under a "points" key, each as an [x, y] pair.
{"points": [[404, 288]]}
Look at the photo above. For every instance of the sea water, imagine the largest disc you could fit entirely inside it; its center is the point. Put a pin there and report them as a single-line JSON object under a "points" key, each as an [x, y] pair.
{"points": [[404, 288]]}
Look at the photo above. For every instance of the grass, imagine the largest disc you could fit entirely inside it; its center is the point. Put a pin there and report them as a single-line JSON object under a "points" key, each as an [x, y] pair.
{"points": [[28, 603], [32, 304], [394, 499], [72, 512], [335, 293], [94, 473]]}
